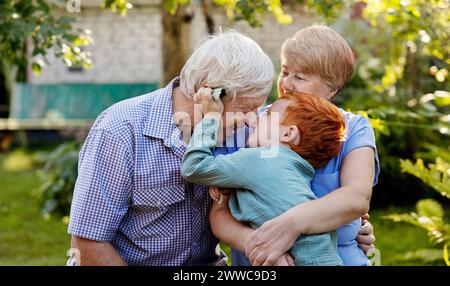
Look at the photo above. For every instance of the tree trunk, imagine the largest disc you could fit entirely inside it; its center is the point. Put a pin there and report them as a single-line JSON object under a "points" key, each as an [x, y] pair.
{"points": [[411, 75], [176, 40], [9, 74], [411, 86], [207, 13]]}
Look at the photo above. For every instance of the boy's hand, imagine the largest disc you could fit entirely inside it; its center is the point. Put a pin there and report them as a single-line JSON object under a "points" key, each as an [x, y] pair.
{"points": [[209, 105]]}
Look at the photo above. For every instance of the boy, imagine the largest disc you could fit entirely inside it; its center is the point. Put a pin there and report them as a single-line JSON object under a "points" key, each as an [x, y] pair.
{"points": [[309, 135]]}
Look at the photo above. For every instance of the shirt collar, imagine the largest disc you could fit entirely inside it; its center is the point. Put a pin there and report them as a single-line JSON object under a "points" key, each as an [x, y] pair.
{"points": [[160, 120], [304, 166]]}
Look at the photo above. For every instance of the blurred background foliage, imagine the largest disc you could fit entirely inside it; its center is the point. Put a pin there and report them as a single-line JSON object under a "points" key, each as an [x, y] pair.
{"points": [[32, 26], [401, 84], [429, 214]]}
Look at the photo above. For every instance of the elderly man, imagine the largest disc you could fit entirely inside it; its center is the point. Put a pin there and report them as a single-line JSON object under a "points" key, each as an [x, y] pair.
{"points": [[131, 206]]}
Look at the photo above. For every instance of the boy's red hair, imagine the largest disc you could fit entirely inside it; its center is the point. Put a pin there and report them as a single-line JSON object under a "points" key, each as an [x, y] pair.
{"points": [[320, 123]]}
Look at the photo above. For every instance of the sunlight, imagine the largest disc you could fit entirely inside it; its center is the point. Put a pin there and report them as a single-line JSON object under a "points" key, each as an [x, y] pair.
{"points": [[17, 161]]}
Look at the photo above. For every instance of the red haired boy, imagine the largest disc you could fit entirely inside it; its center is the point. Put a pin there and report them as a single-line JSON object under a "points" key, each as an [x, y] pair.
{"points": [[297, 134]]}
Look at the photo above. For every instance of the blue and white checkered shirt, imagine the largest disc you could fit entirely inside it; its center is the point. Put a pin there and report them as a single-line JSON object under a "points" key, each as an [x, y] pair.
{"points": [[129, 191]]}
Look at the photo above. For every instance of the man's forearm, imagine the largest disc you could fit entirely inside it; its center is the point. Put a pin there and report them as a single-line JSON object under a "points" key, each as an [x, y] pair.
{"points": [[226, 228], [93, 253]]}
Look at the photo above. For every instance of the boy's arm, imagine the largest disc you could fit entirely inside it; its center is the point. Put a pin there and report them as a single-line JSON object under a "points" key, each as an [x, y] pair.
{"points": [[200, 166]]}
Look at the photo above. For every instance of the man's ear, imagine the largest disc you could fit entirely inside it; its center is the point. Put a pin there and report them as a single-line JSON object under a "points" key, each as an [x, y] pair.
{"points": [[291, 135]]}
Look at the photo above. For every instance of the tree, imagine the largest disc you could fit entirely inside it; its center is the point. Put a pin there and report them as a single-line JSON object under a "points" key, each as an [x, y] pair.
{"points": [[401, 82], [177, 15], [30, 25], [416, 25]]}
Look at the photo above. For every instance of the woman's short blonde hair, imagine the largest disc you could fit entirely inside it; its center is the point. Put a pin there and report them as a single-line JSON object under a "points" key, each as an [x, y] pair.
{"points": [[320, 50], [229, 60]]}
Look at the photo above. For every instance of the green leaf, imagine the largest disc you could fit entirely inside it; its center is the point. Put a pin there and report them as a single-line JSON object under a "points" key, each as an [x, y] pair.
{"points": [[429, 208], [66, 20], [446, 256], [36, 68], [436, 176], [425, 255]]}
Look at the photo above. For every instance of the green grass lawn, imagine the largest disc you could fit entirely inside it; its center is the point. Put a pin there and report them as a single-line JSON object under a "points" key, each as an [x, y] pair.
{"points": [[26, 238]]}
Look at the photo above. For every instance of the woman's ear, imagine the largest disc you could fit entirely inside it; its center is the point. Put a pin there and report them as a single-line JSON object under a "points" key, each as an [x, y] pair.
{"points": [[331, 93], [290, 134]]}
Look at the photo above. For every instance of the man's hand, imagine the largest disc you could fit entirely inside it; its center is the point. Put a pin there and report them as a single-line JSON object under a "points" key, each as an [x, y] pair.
{"points": [[365, 237], [271, 240], [209, 105]]}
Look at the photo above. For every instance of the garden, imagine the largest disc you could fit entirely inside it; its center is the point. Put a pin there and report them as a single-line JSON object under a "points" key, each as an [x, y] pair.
{"points": [[401, 83]]}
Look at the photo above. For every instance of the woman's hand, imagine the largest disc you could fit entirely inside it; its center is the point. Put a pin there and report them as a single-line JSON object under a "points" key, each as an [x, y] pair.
{"points": [[271, 241], [365, 237]]}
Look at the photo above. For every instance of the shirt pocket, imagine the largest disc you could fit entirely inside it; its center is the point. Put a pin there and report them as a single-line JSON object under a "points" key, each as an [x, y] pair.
{"points": [[154, 211]]}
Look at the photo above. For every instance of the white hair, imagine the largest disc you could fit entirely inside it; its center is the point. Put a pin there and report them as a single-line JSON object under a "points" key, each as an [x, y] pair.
{"points": [[228, 60]]}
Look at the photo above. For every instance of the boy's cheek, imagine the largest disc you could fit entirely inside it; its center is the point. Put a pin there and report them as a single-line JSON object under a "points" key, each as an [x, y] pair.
{"points": [[252, 142]]}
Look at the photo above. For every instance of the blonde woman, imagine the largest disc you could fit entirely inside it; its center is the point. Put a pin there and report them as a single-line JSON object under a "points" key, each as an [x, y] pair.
{"points": [[316, 60]]}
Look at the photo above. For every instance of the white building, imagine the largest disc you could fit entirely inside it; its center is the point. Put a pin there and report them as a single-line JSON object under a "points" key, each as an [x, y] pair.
{"points": [[127, 61], [129, 49]]}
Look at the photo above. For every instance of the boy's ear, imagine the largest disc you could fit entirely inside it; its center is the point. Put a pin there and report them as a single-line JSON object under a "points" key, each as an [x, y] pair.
{"points": [[291, 135]]}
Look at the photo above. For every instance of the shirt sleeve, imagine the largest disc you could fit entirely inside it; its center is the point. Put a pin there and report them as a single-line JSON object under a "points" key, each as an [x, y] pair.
{"points": [[200, 166], [103, 188], [362, 135]]}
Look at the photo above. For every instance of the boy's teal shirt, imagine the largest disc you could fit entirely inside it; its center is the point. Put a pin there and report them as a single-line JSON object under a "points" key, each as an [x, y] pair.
{"points": [[267, 184]]}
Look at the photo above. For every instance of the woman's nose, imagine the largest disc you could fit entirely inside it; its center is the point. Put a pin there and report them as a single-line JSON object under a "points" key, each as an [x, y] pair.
{"points": [[287, 84]]}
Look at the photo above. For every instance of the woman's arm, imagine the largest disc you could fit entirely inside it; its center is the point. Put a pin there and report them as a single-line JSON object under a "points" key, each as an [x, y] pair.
{"points": [[337, 208], [345, 204]]}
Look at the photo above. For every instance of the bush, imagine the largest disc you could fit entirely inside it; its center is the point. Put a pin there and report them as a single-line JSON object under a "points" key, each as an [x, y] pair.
{"points": [[429, 214], [406, 126], [57, 178]]}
